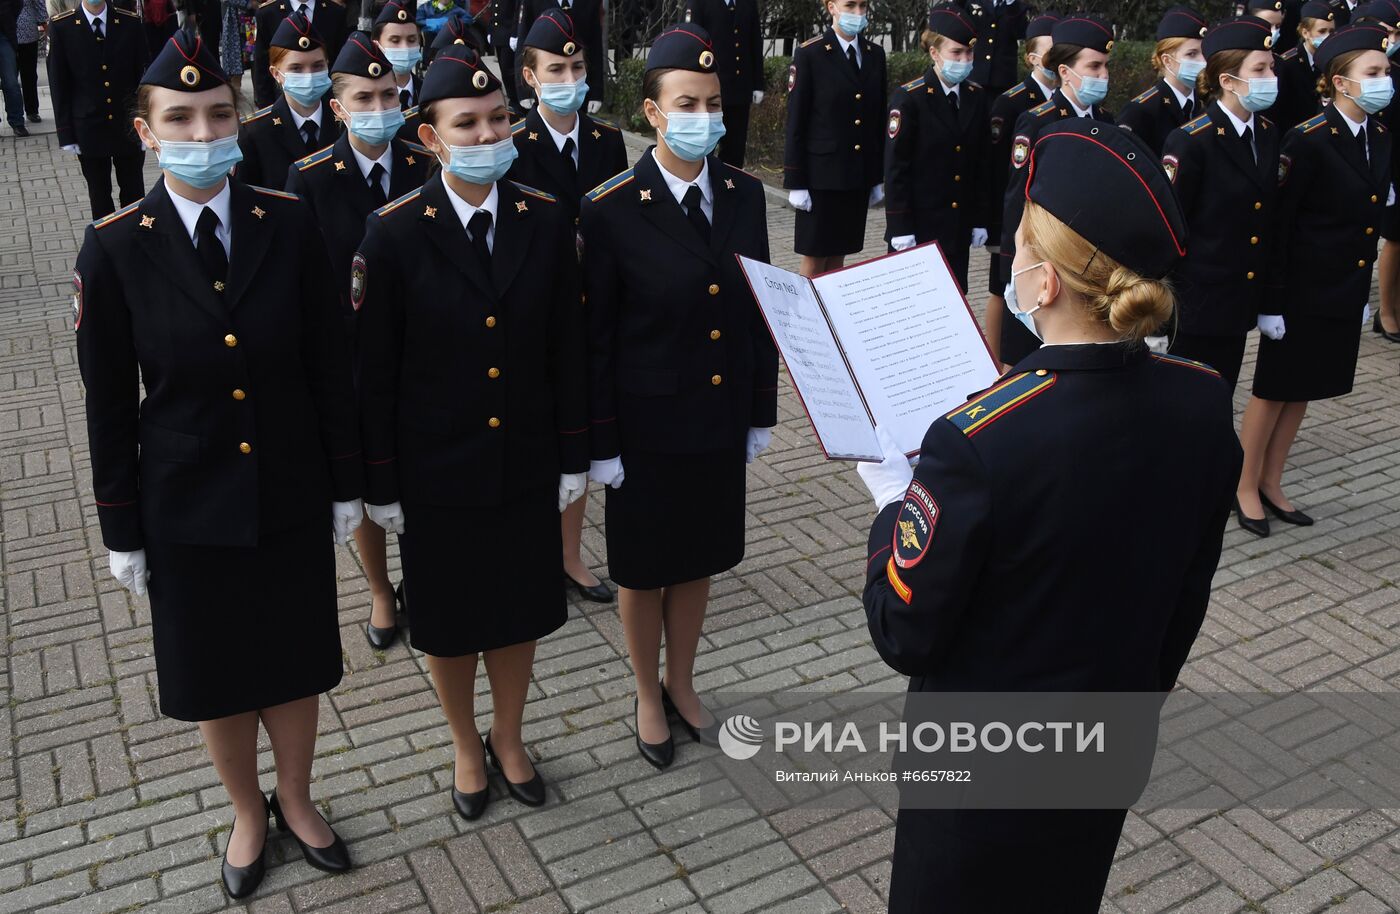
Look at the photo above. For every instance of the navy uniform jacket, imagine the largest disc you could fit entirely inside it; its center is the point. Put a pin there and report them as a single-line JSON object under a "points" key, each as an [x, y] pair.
{"points": [[738, 38], [1154, 114], [1230, 204], [472, 384], [248, 424], [1006, 109], [271, 142], [1330, 210], [331, 182], [503, 22], [409, 131], [601, 154], [1297, 89], [327, 17], [999, 27], [94, 82], [681, 359], [588, 25], [835, 117]]}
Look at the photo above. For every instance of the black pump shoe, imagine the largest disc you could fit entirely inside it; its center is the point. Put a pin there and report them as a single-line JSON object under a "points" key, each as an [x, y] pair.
{"points": [[531, 793], [1295, 517], [333, 858], [1378, 327], [595, 593], [1259, 526], [242, 881], [706, 736], [470, 806], [381, 639], [660, 755]]}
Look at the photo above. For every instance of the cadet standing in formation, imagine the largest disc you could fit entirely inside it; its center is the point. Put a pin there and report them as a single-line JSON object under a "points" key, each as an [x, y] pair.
{"points": [[1002, 563], [1172, 101], [328, 17], [740, 68], [684, 375], [564, 152], [1225, 167], [1078, 57], [587, 16], [365, 168], [96, 58], [998, 26], [1038, 86], [218, 298], [472, 385], [300, 122], [1387, 14], [1334, 183], [937, 184], [504, 14], [1297, 69], [397, 32], [833, 159]]}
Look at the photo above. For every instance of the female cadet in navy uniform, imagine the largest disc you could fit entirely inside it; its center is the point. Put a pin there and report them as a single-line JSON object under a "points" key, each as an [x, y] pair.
{"points": [[936, 181], [1172, 101], [1334, 181], [1297, 69], [684, 375], [1387, 14], [833, 160], [1224, 165], [344, 183], [1038, 86], [1000, 564], [1078, 57], [472, 385], [397, 31], [219, 295], [740, 70], [300, 122], [564, 152]]}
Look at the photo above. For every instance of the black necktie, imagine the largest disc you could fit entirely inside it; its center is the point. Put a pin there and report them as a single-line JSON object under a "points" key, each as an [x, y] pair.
{"points": [[953, 102], [309, 132], [1361, 144], [1248, 138], [97, 28], [376, 185], [302, 9], [568, 153], [477, 226], [1186, 111], [851, 56], [695, 213], [210, 249], [405, 97]]}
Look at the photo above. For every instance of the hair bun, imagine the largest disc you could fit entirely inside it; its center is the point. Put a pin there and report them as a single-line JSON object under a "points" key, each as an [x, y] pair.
{"points": [[1136, 306]]}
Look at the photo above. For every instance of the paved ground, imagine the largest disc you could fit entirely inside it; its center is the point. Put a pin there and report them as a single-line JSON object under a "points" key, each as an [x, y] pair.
{"points": [[105, 806]]}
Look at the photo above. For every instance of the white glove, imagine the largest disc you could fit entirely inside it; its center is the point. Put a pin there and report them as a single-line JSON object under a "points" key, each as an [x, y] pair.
{"points": [[877, 193], [758, 98], [571, 486], [800, 199], [513, 42], [1366, 313], [889, 479], [606, 472], [1271, 325], [527, 103], [72, 149], [757, 443], [595, 106], [345, 517], [903, 242], [129, 568], [979, 237], [387, 517]]}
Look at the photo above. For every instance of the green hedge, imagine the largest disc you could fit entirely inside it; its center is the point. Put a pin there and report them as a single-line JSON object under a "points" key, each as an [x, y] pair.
{"points": [[1130, 71]]}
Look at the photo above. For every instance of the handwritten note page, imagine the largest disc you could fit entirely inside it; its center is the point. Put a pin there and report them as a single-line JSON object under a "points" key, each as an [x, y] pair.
{"points": [[814, 361], [909, 337]]}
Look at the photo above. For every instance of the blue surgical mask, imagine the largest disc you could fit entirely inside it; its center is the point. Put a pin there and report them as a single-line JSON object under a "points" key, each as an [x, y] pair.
{"points": [[955, 71], [1391, 47], [485, 164], [403, 59], [1091, 90], [1375, 94], [1188, 70], [1048, 76], [1013, 304], [1317, 42], [1263, 92], [693, 135], [376, 127], [851, 23], [1275, 33], [306, 88], [200, 164], [563, 98]]}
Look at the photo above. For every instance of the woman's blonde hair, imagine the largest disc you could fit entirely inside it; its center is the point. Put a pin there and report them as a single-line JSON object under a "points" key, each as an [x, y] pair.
{"points": [[1129, 303], [931, 39], [1217, 65], [1164, 47], [1337, 66]]}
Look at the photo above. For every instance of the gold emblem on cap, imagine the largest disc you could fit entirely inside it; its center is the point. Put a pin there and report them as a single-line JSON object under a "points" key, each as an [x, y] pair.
{"points": [[972, 42], [189, 75], [303, 42], [570, 47], [374, 69], [459, 41], [707, 59], [480, 79], [1268, 42], [1108, 46], [403, 15]]}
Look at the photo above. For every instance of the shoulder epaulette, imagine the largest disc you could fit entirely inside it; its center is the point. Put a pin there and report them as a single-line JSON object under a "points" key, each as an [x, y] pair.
{"points": [[410, 112], [392, 205], [1014, 91], [811, 41], [261, 112], [268, 3], [608, 125], [269, 192], [517, 127], [611, 184], [975, 87], [1196, 125], [1009, 395], [316, 158], [1043, 108], [1264, 122], [1289, 54], [1312, 123], [418, 148], [1144, 97], [113, 217], [535, 192], [63, 15], [736, 169], [1185, 363], [123, 12], [913, 84]]}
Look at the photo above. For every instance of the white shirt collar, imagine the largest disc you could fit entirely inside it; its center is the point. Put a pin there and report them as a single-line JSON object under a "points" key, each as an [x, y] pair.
{"points": [[105, 15], [853, 43], [1240, 125], [679, 186], [189, 212], [310, 8], [559, 138], [465, 210], [1045, 89], [366, 163], [298, 120], [1354, 125], [1078, 111], [1181, 99]]}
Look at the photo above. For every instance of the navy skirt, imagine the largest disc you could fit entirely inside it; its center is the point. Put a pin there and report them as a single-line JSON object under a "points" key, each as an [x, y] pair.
{"points": [[1315, 360], [835, 226]]}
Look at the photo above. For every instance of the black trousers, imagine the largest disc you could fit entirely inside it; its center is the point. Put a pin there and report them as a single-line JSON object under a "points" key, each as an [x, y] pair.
{"points": [[97, 171], [509, 76], [736, 134], [28, 56]]}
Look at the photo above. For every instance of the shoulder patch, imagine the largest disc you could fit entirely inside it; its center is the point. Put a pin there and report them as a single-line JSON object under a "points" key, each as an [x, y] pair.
{"points": [[359, 274], [269, 192], [1170, 164], [1043, 108], [119, 214], [1185, 363], [611, 184], [1312, 123], [1011, 394], [1146, 96], [261, 112], [892, 128], [535, 192], [914, 526], [392, 205], [1020, 150], [913, 84], [1196, 125], [316, 158]]}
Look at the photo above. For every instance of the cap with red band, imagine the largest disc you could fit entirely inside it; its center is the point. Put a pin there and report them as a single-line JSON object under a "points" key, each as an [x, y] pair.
{"points": [[1084, 30], [185, 64], [682, 47], [1247, 33], [458, 72], [1181, 22], [296, 33], [1041, 26], [952, 23]]}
